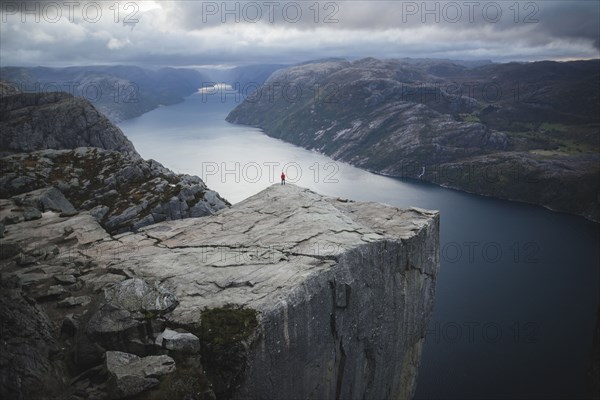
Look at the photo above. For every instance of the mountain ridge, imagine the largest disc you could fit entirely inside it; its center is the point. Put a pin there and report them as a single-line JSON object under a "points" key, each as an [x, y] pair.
{"points": [[527, 142]]}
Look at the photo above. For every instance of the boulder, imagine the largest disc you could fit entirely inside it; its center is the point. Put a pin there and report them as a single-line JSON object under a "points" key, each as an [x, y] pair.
{"points": [[46, 199], [130, 375], [75, 301], [178, 341], [125, 315], [30, 213], [110, 320], [141, 298]]}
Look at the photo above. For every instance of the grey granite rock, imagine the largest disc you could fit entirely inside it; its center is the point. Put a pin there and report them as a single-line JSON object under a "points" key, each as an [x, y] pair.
{"points": [[138, 296], [78, 122], [179, 341], [56, 291], [46, 199], [291, 294], [123, 192], [286, 253], [26, 340], [65, 279], [9, 250], [30, 213], [124, 313], [110, 321], [131, 375], [74, 301]]}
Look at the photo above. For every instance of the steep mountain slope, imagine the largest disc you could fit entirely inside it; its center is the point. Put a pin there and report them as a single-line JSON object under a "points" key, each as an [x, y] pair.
{"points": [[39, 121], [525, 132]]}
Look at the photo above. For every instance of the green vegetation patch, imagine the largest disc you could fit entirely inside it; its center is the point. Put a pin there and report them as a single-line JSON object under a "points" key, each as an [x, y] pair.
{"points": [[547, 126], [183, 384], [226, 325], [469, 117]]}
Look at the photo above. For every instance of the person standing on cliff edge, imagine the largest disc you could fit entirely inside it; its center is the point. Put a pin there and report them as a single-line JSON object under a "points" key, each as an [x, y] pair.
{"points": [[282, 178]]}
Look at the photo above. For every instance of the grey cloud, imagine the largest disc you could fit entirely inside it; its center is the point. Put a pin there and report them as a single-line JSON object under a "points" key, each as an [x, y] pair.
{"points": [[178, 35]]}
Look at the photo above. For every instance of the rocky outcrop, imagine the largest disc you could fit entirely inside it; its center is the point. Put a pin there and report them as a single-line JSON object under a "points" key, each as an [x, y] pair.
{"points": [[56, 120], [121, 191], [524, 132], [131, 375], [287, 294], [65, 147]]}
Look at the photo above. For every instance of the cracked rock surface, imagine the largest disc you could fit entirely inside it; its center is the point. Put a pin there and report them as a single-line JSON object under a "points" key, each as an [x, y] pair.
{"points": [[291, 294]]}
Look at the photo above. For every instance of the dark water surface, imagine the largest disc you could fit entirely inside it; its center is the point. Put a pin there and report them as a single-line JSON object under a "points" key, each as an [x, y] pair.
{"points": [[518, 291]]}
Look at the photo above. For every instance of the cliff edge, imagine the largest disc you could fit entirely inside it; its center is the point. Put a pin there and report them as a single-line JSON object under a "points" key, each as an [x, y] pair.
{"points": [[287, 294]]}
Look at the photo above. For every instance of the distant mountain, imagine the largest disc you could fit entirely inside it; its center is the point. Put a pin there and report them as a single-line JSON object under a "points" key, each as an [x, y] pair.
{"points": [[120, 92], [526, 132], [464, 63], [248, 77]]}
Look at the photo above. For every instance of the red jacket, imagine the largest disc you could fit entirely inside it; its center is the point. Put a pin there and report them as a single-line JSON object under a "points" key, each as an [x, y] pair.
{"points": [[282, 176]]}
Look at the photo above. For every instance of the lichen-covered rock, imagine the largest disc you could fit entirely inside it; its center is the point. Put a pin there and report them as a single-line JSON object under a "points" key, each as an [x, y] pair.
{"points": [[123, 192], [139, 297], [46, 199]]}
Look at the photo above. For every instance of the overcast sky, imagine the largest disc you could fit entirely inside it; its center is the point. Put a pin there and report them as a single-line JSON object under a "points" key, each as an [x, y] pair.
{"points": [[193, 33]]}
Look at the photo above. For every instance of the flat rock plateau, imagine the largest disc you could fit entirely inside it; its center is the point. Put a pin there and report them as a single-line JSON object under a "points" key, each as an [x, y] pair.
{"points": [[287, 294]]}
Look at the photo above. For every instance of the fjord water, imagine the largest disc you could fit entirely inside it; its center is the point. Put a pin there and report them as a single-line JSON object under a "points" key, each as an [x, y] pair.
{"points": [[518, 290]]}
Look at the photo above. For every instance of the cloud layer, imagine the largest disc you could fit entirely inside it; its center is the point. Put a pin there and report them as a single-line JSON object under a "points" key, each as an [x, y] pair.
{"points": [[181, 33]]}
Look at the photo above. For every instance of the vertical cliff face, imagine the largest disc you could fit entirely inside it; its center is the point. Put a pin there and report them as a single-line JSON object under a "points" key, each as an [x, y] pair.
{"points": [[287, 294], [343, 292], [355, 330]]}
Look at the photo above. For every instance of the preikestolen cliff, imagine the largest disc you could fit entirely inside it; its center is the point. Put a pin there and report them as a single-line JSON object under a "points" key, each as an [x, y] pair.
{"points": [[299, 200]]}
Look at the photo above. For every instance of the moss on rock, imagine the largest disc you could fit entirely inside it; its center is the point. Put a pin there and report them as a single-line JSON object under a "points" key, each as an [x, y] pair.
{"points": [[226, 325]]}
